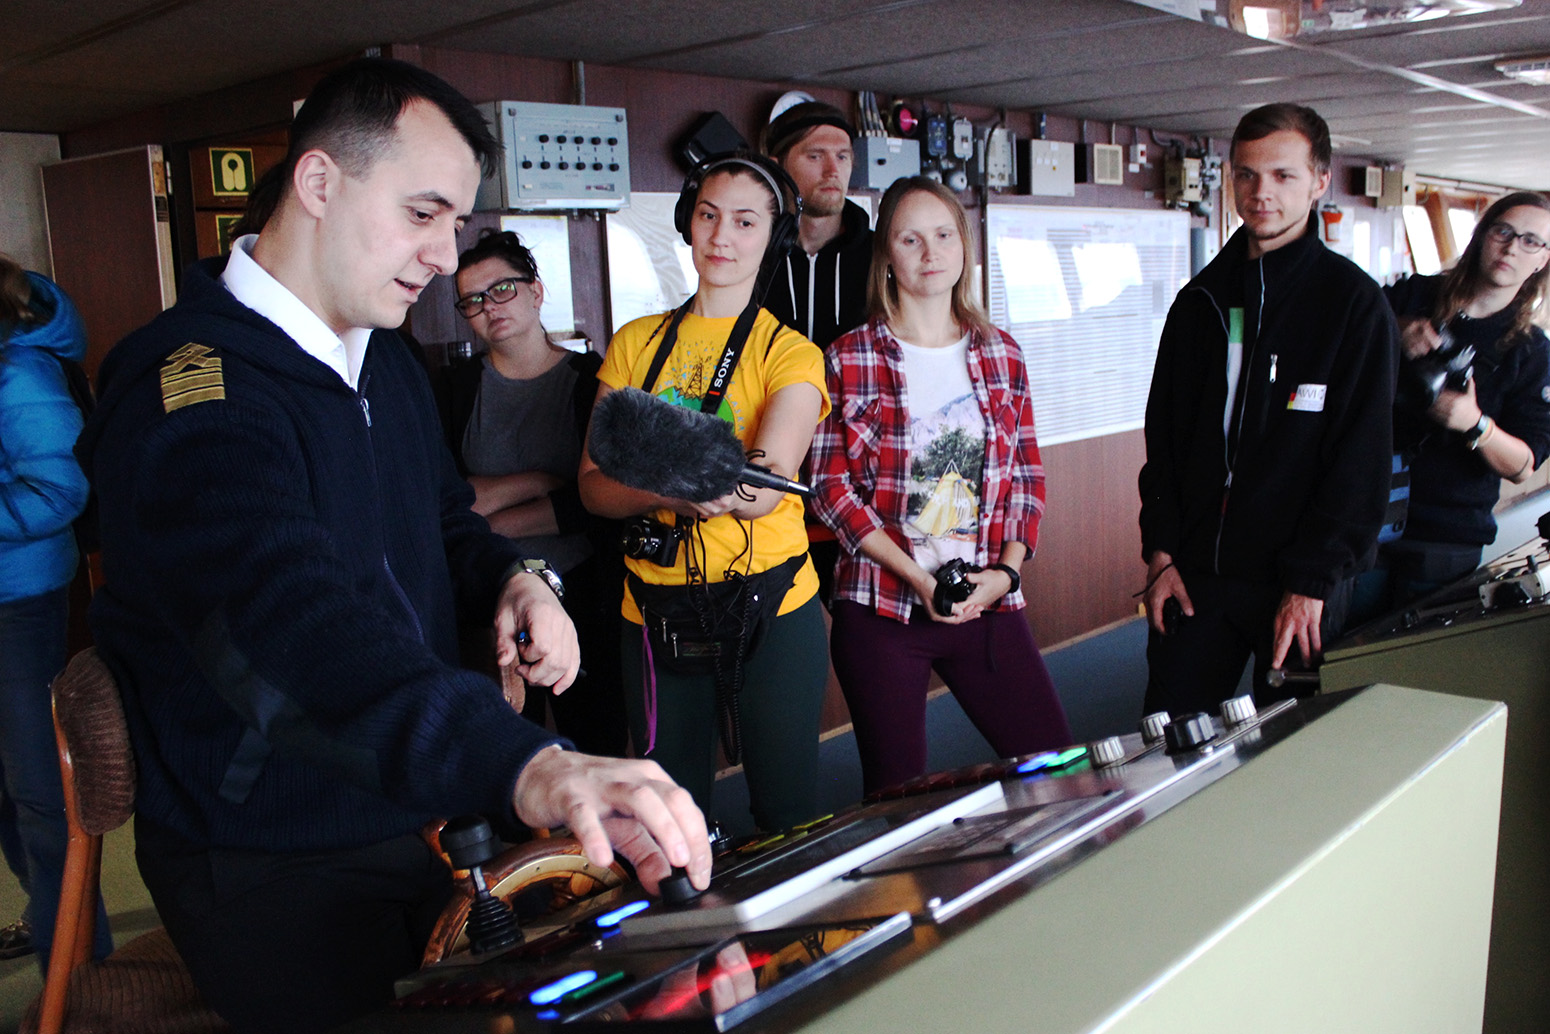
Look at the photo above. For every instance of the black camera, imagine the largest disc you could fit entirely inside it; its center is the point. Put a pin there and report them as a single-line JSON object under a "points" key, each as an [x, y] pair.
{"points": [[953, 585], [1448, 367], [650, 540]]}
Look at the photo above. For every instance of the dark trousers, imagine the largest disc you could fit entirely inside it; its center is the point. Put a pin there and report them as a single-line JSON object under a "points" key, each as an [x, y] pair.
{"points": [[991, 664], [297, 941], [33, 834], [591, 712], [1407, 570], [1201, 663], [781, 702]]}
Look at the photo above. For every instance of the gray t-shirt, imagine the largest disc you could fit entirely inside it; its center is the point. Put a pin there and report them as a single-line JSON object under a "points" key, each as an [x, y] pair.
{"points": [[522, 425]]}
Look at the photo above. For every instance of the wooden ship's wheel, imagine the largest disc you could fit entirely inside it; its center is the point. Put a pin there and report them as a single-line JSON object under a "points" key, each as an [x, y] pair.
{"points": [[551, 870]]}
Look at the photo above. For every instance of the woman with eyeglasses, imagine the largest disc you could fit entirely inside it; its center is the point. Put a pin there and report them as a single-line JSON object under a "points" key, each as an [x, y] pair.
{"points": [[515, 416], [1462, 436]]}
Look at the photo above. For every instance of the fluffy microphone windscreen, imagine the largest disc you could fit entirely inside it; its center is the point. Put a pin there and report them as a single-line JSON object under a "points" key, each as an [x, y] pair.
{"points": [[673, 451]]}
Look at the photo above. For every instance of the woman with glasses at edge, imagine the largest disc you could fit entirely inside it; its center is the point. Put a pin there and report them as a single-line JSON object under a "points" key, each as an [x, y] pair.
{"points": [[515, 417], [1464, 443], [928, 460]]}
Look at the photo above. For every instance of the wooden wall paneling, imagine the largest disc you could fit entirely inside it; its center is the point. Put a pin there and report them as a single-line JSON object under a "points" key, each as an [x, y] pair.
{"points": [[1089, 556], [104, 242]]}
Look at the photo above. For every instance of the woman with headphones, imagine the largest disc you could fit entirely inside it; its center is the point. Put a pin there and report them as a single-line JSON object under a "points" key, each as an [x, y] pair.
{"points": [[723, 631]]}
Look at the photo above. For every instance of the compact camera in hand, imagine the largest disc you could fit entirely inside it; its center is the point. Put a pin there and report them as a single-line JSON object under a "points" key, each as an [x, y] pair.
{"points": [[1449, 367], [650, 540], [953, 585]]}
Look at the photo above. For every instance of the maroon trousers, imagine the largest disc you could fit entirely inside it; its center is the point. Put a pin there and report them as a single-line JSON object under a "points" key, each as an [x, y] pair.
{"points": [[991, 664]]}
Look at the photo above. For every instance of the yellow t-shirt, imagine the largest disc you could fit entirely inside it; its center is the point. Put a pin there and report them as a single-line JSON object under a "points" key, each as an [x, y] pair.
{"points": [[764, 368]]}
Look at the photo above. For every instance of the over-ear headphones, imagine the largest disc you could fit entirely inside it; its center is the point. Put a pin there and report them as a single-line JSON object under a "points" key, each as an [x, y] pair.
{"points": [[788, 199]]}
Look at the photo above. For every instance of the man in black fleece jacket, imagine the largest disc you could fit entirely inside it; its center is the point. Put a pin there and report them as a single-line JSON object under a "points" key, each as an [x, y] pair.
{"points": [[285, 545], [1268, 437]]}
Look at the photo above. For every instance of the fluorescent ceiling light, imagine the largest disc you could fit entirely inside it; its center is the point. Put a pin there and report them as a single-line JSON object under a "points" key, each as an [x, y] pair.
{"points": [[1534, 70]]}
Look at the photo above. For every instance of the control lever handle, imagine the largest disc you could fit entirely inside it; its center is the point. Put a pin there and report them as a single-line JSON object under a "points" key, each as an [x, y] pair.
{"points": [[1275, 678]]}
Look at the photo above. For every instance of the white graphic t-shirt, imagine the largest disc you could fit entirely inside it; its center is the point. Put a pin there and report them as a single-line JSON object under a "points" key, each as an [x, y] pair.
{"points": [[947, 454]]}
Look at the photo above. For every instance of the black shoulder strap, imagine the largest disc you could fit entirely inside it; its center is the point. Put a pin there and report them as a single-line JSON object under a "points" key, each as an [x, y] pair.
{"points": [[725, 366]]}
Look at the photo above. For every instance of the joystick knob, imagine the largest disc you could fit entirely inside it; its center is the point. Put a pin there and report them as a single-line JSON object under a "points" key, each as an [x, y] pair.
{"points": [[1237, 710], [1106, 751], [676, 889], [1152, 726], [471, 844], [1188, 732]]}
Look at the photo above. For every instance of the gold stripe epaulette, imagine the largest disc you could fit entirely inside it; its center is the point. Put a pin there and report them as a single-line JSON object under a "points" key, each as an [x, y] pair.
{"points": [[191, 374]]}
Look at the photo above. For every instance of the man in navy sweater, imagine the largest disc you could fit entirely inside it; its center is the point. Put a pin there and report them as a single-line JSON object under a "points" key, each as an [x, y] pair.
{"points": [[286, 548]]}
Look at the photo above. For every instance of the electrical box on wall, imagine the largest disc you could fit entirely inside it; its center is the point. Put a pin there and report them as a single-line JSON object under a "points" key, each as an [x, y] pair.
{"points": [[1101, 163], [882, 159], [1398, 188], [999, 159], [558, 156], [1046, 168], [1182, 182], [1367, 181]]}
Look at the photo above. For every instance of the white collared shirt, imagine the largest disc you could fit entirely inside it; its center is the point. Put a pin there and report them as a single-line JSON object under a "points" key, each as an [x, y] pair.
{"points": [[252, 285]]}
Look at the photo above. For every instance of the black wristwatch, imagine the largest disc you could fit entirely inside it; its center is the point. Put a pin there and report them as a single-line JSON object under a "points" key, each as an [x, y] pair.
{"points": [[1474, 434], [550, 576], [1010, 572]]}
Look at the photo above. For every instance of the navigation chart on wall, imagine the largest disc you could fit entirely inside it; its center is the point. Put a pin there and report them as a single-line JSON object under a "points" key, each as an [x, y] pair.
{"points": [[1085, 292]]}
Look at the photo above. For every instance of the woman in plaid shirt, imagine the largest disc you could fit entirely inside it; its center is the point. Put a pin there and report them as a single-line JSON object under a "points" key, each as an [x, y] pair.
{"points": [[928, 457]]}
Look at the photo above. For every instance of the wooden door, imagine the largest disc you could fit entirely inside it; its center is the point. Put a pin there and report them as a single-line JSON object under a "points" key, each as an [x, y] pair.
{"points": [[110, 241]]}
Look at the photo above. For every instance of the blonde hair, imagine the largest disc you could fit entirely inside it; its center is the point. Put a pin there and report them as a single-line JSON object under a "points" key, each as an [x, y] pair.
{"points": [[882, 292]]}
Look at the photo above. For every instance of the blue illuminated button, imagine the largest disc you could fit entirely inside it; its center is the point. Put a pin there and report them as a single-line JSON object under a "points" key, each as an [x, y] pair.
{"points": [[548, 1014], [1038, 762], [564, 986], [621, 913]]}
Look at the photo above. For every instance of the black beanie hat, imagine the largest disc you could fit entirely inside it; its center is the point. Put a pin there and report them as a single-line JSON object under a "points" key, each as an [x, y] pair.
{"points": [[792, 124]]}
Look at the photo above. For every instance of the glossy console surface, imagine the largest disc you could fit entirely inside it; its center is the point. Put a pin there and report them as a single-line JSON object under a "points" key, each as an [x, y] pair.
{"points": [[1061, 898]]}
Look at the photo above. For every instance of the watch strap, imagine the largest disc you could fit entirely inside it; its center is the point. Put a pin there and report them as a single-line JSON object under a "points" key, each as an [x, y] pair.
{"points": [[1473, 436], [1010, 572]]}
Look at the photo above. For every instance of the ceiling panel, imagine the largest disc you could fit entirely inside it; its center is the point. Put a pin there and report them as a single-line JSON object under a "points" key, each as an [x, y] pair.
{"points": [[63, 66]]}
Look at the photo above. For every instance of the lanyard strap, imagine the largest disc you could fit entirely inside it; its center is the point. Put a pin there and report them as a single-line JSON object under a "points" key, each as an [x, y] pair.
{"points": [[725, 366]]}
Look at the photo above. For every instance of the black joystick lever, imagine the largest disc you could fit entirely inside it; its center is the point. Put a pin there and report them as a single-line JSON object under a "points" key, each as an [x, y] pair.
{"points": [[676, 889], [470, 844]]}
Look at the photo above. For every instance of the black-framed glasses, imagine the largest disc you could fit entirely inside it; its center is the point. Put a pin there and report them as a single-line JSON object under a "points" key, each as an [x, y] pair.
{"points": [[1504, 235], [471, 305]]}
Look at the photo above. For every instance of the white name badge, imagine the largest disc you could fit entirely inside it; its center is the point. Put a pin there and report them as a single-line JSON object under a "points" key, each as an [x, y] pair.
{"points": [[1308, 398]]}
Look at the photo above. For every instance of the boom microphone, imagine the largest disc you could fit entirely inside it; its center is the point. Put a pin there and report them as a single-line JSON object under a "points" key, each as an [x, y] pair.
{"points": [[673, 451]]}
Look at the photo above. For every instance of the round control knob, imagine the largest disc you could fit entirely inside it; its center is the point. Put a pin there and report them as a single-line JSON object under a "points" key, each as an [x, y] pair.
{"points": [[1187, 732], [1152, 726], [676, 888], [1105, 751], [1238, 710]]}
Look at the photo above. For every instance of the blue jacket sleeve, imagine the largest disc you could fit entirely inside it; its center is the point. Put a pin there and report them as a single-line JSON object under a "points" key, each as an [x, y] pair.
{"points": [[42, 488]]}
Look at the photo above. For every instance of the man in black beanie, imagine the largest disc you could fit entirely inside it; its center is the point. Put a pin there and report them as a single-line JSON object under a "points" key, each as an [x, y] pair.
{"points": [[819, 286]]}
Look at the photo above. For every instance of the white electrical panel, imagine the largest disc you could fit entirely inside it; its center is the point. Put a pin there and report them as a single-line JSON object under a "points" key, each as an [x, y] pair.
{"points": [[963, 139], [1046, 167], [882, 159], [558, 156], [1398, 189], [998, 159], [1182, 184]]}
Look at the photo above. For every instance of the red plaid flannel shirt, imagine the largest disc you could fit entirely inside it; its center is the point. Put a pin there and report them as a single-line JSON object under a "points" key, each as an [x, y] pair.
{"points": [[860, 460]]}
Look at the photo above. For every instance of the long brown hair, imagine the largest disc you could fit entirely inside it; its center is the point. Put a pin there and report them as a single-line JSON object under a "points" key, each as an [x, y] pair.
{"points": [[882, 294], [15, 293], [1461, 283]]}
